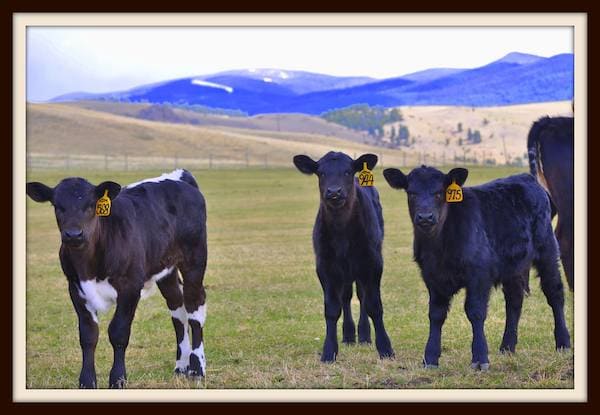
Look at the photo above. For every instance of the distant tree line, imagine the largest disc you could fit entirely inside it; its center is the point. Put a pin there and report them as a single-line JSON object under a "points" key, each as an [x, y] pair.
{"points": [[372, 119]]}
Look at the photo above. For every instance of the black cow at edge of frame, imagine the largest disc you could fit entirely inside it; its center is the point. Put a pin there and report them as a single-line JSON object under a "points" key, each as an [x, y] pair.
{"points": [[550, 147], [491, 237], [347, 239], [151, 230]]}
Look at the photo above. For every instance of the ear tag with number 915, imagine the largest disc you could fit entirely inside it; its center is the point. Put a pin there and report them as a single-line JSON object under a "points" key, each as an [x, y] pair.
{"points": [[103, 205], [365, 177], [454, 193]]}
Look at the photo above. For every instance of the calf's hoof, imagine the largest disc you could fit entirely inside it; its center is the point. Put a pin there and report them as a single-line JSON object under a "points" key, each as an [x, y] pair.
{"points": [[181, 371], [563, 349], [484, 367], [195, 374], [118, 384], [350, 341], [328, 357], [388, 354], [507, 349], [430, 365]]}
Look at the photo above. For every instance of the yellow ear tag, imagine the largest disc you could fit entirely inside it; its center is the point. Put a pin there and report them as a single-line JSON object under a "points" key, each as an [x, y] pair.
{"points": [[103, 205], [365, 177], [454, 193]]}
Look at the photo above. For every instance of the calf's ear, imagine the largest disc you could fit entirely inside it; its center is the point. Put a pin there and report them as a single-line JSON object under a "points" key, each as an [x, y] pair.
{"points": [[39, 192], [113, 189], [395, 178], [305, 164], [370, 159], [458, 175]]}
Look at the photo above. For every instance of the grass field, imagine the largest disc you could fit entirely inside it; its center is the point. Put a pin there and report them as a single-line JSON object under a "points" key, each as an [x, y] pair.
{"points": [[265, 323]]}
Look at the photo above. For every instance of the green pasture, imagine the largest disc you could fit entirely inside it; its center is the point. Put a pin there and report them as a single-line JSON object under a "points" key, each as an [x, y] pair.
{"points": [[265, 322]]}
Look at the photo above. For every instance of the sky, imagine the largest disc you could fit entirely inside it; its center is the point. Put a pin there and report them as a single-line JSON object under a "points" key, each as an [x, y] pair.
{"points": [[103, 59]]}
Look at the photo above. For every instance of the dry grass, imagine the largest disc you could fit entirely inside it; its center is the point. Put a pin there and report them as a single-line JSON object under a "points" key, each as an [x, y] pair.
{"points": [[265, 326]]}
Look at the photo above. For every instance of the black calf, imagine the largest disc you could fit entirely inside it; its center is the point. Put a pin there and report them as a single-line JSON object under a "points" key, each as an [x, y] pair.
{"points": [[492, 237], [347, 239]]}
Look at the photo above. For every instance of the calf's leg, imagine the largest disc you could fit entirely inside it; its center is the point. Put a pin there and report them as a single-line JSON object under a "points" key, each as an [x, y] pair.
{"points": [[564, 234], [438, 310], [119, 331], [374, 309], [348, 327], [552, 287], [88, 338], [476, 308], [513, 297], [364, 327], [172, 291], [333, 309]]}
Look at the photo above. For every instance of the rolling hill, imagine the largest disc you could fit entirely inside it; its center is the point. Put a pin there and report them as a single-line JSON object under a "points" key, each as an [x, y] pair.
{"points": [[516, 78], [99, 129]]}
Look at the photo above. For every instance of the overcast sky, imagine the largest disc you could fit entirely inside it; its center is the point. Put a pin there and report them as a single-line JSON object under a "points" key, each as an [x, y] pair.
{"points": [[95, 59]]}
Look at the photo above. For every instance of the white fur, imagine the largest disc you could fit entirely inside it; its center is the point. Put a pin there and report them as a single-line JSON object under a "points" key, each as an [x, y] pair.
{"points": [[175, 175], [184, 359], [98, 296], [150, 285], [199, 315], [199, 352]]}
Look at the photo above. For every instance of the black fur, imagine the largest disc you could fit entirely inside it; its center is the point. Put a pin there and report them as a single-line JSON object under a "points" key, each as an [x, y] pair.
{"points": [[347, 239], [550, 146], [490, 238], [140, 238]]}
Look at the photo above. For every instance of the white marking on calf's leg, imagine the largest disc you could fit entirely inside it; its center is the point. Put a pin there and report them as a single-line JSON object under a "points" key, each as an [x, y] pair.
{"points": [[199, 315], [199, 352], [184, 346], [150, 286]]}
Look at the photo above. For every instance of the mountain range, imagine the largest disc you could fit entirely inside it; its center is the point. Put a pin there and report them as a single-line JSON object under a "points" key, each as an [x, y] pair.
{"points": [[517, 78]]}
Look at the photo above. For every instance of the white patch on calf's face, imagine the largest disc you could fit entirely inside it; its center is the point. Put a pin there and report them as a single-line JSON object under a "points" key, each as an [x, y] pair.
{"points": [[199, 315], [184, 359], [99, 296], [175, 175]]}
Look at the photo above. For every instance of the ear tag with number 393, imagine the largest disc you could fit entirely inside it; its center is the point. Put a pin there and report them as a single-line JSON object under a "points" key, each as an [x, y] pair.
{"points": [[103, 205], [365, 177], [454, 193]]}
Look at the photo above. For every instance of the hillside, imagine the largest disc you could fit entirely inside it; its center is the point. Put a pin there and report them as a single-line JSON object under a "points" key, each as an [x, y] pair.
{"points": [[56, 129], [59, 129], [516, 78]]}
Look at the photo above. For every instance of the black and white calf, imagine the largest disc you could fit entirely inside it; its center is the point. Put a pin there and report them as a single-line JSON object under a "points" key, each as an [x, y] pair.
{"points": [[155, 229], [492, 237], [347, 239]]}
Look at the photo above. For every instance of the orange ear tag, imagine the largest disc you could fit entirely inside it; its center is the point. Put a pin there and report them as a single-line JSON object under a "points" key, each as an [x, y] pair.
{"points": [[454, 193], [103, 205], [365, 177]]}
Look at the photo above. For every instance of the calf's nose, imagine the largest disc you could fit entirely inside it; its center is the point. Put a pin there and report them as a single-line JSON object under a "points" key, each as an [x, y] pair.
{"points": [[74, 233], [425, 218], [333, 192]]}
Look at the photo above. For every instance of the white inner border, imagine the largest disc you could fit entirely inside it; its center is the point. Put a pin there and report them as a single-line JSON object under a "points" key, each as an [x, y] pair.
{"points": [[577, 20]]}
